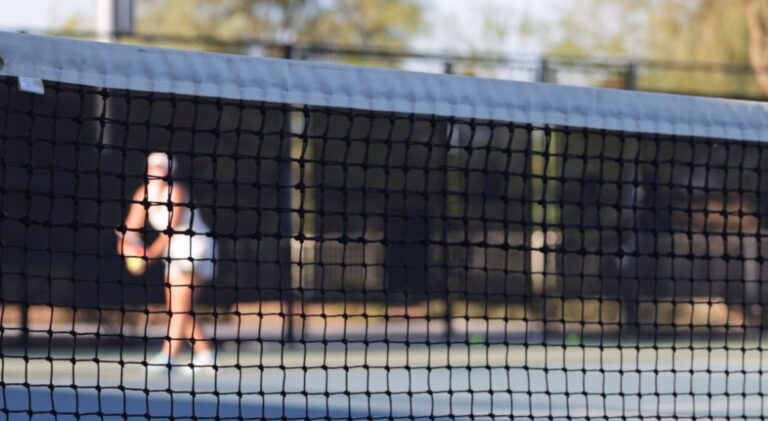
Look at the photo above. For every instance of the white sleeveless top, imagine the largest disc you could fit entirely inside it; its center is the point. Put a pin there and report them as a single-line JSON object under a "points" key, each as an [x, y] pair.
{"points": [[192, 252], [159, 214]]}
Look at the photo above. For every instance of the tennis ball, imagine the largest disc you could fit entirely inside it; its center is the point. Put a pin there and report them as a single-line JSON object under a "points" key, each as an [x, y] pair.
{"points": [[135, 265]]}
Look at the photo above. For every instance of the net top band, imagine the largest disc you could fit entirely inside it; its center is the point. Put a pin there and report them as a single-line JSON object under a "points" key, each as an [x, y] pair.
{"points": [[341, 86]]}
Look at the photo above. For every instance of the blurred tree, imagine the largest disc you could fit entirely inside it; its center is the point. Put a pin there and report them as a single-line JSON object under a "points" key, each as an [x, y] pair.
{"points": [[215, 23], [700, 31], [756, 13]]}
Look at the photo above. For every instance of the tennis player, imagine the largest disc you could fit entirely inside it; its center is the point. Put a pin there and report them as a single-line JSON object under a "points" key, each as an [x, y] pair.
{"points": [[182, 245]]}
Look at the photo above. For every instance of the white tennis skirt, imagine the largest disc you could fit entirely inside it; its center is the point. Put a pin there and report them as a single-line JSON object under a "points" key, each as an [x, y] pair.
{"points": [[193, 254]]}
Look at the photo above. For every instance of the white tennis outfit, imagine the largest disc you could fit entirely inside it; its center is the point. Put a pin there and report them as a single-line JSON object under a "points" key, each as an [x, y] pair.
{"points": [[188, 253]]}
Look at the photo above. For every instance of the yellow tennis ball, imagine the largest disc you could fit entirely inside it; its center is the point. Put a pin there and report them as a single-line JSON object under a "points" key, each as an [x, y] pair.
{"points": [[135, 265]]}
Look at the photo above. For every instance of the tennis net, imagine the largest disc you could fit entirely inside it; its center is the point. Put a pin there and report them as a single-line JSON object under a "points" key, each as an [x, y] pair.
{"points": [[192, 235]]}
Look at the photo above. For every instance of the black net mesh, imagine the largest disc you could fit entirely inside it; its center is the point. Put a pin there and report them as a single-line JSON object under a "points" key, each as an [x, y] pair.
{"points": [[319, 263]]}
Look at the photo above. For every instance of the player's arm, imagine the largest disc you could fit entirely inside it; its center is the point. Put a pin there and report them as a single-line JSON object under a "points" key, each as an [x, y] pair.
{"points": [[129, 244], [178, 200]]}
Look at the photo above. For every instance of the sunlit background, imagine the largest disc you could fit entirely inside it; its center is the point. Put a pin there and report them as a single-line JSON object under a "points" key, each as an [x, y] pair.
{"points": [[700, 47]]}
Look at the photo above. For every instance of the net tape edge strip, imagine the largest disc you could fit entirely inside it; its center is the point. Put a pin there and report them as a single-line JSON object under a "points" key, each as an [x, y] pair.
{"points": [[280, 81]]}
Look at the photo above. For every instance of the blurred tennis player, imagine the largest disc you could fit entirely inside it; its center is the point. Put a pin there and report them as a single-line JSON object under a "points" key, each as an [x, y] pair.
{"points": [[184, 247]]}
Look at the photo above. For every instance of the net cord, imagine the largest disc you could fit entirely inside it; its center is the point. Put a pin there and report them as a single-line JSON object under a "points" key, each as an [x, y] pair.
{"points": [[341, 86]]}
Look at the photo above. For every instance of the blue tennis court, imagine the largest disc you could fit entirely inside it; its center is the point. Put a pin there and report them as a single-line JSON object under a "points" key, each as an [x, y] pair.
{"points": [[423, 382]]}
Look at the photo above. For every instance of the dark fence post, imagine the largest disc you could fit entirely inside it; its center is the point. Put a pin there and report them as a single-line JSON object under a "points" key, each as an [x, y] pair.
{"points": [[630, 76], [545, 73], [448, 313], [448, 68], [286, 229]]}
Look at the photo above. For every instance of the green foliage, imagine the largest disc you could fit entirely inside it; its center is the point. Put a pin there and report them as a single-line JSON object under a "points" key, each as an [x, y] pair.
{"points": [[364, 23], [697, 31], [71, 24], [387, 23]]}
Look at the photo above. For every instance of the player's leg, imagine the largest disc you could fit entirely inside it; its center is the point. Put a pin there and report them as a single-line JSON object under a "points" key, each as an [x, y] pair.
{"points": [[203, 354], [201, 342], [166, 352], [181, 324]]}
